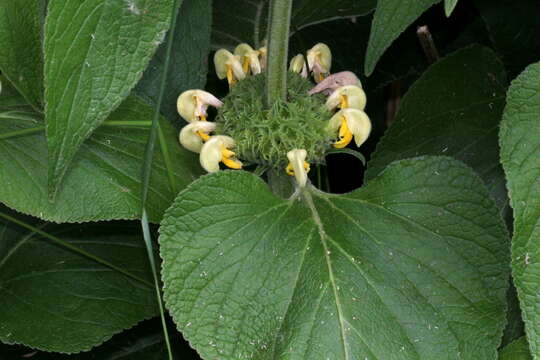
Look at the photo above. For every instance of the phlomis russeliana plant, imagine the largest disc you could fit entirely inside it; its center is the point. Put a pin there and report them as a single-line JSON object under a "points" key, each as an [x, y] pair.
{"points": [[289, 135]]}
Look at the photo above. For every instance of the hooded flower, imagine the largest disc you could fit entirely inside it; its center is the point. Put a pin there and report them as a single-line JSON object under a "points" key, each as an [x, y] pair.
{"points": [[349, 123], [298, 65], [249, 59], [193, 135], [228, 66], [350, 96], [217, 150], [298, 166], [192, 104], [334, 81], [319, 60]]}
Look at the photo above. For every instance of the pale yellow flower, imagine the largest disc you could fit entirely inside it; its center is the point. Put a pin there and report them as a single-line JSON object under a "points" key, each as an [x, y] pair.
{"points": [[192, 104], [298, 166], [249, 59], [298, 65], [350, 96], [228, 66], [319, 59], [193, 135], [349, 123], [217, 150], [263, 55]]}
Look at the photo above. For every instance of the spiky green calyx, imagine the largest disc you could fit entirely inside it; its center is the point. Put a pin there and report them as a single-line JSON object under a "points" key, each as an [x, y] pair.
{"points": [[264, 136]]}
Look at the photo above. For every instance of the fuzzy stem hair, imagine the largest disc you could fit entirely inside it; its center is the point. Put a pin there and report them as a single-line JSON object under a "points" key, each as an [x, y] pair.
{"points": [[278, 46]]}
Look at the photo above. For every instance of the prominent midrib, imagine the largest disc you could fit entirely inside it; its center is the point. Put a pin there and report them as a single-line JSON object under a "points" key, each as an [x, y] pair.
{"points": [[293, 292], [322, 234]]}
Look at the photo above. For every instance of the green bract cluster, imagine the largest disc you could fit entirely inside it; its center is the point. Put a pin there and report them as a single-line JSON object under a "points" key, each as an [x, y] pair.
{"points": [[264, 136]]}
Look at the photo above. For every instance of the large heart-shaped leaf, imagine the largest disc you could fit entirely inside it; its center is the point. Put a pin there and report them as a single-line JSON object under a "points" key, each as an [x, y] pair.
{"points": [[237, 21], [104, 181], [21, 60], [453, 109], [520, 155], [95, 52], [391, 18], [189, 57], [55, 299], [412, 266]]}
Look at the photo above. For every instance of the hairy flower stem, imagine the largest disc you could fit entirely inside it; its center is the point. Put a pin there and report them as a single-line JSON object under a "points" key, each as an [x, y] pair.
{"points": [[278, 46]]}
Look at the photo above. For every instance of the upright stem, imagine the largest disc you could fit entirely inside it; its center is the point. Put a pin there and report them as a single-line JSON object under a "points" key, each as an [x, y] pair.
{"points": [[278, 46]]}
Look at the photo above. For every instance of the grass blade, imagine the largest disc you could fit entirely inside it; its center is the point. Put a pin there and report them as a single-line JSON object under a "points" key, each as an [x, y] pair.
{"points": [[146, 172]]}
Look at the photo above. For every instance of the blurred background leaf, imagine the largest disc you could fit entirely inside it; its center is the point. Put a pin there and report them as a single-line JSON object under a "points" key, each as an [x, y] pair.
{"points": [[55, 299], [454, 109], [449, 6], [391, 18], [189, 62], [238, 21], [514, 29], [21, 59]]}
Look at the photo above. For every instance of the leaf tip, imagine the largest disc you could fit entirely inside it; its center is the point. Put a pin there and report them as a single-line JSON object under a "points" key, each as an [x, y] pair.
{"points": [[449, 6], [369, 65], [373, 54]]}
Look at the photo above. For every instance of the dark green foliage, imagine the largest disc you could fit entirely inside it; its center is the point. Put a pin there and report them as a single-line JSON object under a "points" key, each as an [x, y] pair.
{"points": [[312, 275], [410, 262]]}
